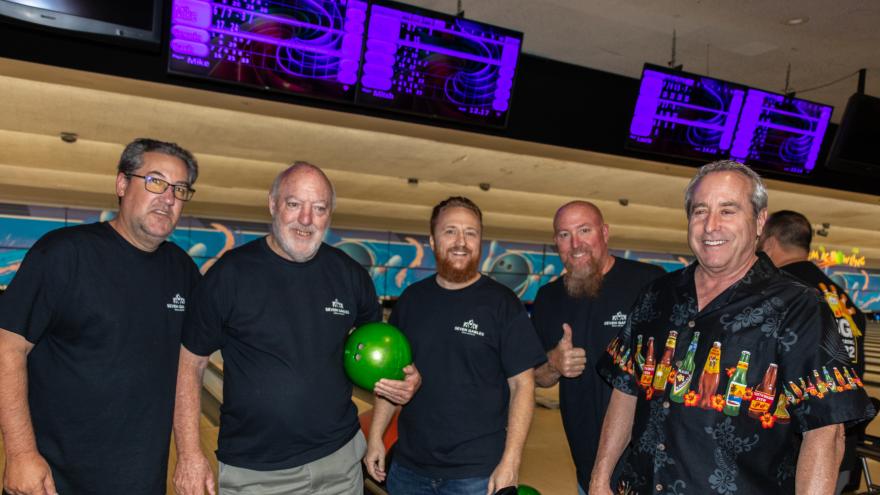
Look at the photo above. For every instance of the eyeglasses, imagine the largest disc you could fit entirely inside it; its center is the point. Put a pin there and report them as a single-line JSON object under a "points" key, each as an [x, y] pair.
{"points": [[158, 186]]}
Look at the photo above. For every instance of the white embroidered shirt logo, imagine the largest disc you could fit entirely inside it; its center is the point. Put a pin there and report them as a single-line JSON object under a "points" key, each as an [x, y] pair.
{"points": [[178, 303], [469, 327], [337, 308], [617, 320]]}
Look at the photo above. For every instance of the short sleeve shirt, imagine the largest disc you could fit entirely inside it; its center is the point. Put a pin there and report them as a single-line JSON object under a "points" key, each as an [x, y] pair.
{"points": [[105, 319], [594, 323], [736, 429], [466, 343], [281, 327]]}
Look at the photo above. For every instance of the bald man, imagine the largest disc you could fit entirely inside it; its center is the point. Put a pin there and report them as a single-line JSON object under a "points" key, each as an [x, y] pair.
{"points": [[577, 316], [279, 309]]}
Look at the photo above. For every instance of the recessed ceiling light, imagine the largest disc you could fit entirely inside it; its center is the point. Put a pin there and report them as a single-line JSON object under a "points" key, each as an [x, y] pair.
{"points": [[796, 21]]}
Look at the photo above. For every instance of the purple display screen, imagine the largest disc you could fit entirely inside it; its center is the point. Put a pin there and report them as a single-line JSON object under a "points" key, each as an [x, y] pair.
{"points": [[438, 65], [685, 115], [779, 133], [307, 47]]}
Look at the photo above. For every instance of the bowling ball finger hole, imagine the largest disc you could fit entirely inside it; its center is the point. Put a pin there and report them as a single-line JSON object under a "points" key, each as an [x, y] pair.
{"points": [[360, 347], [357, 357]]}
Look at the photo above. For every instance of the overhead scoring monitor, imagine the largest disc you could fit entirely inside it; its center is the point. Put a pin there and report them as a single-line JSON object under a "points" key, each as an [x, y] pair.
{"points": [[706, 119], [685, 115], [780, 133], [306, 47], [438, 65]]}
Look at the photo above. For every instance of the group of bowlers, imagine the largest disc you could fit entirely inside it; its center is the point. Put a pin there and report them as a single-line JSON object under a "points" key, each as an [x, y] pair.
{"points": [[106, 330]]}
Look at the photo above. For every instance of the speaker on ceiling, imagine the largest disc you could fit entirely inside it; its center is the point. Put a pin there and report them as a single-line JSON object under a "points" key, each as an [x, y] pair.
{"points": [[856, 148]]}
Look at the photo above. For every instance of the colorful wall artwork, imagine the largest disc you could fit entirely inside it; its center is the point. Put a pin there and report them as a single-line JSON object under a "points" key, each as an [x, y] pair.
{"points": [[394, 260]]}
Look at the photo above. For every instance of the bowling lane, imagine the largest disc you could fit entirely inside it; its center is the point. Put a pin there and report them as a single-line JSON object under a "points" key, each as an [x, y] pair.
{"points": [[872, 385]]}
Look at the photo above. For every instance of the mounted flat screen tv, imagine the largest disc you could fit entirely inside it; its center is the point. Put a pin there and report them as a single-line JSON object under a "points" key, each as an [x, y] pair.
{"points": [[139, 20], [438, 65], [780, 133], [304, 47], [685, 115]]}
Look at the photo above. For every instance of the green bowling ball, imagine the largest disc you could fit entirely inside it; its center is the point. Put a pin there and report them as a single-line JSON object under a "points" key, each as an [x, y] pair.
{"points": [[375, 351], [526, 490]]}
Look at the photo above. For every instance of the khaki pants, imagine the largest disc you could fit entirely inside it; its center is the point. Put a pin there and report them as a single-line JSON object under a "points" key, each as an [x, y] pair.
{"points": [[337, 474]]}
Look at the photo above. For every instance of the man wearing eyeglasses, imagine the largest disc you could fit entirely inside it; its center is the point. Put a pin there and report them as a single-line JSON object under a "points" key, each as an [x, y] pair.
{"points": [[90, 336]]}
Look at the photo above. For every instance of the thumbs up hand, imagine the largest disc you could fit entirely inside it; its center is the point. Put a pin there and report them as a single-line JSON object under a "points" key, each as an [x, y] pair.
{"points": [[568, 360]]}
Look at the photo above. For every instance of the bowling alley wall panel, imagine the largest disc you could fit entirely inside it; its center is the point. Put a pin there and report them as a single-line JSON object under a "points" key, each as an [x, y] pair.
{"points": [[394, 260]]}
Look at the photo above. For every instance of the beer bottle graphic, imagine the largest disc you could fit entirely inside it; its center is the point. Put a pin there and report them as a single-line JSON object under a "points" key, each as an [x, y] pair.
{"points": [[849, 379], [710, 376], [648, 368], [625, 362], [737, 386], [640, 360], [791, 398], [841, 381], [661, 374], [612, 350], [855, 377], [811, 389], [806, 388], [820, 383], [829, 381], [762, 397], [682, 383], [797, 390]]}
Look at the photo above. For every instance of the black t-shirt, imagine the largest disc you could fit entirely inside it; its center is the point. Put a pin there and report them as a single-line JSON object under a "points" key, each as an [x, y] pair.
{"points": [[594, 323], [466, 344], [281, 327], [105, 319]]}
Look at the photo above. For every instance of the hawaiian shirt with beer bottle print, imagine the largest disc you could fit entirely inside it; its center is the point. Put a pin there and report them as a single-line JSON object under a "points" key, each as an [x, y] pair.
{"points": [[727, 391]]}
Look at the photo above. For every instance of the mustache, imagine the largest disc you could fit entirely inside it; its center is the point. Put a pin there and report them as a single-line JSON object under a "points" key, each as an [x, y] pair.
{"points": [[299, 226], [463, 249]]}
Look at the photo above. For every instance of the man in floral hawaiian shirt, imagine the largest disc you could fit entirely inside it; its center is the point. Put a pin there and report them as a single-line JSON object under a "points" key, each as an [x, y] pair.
{"points": [[748, 385]]}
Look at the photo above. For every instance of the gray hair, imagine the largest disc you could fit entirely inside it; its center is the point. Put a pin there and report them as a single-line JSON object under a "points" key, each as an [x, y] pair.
{"points": [[759, 191], [133, 157], [297, 166]]}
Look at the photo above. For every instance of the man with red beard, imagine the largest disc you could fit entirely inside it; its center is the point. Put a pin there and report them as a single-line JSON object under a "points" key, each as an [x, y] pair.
{"points": [[90, 336], [576, 317], [280, 308], [464, 432]]}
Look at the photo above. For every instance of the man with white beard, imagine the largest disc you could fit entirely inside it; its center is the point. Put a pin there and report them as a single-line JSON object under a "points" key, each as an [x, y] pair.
{"points": [[576, 317], [280, 308]]}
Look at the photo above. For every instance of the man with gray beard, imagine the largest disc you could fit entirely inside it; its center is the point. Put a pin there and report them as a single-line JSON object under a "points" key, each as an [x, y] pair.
{"points": [[576, 317], [280, 308]]}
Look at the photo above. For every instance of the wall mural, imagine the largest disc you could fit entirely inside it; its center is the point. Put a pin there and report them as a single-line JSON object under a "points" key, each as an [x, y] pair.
{"points": [[394, 260]]}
